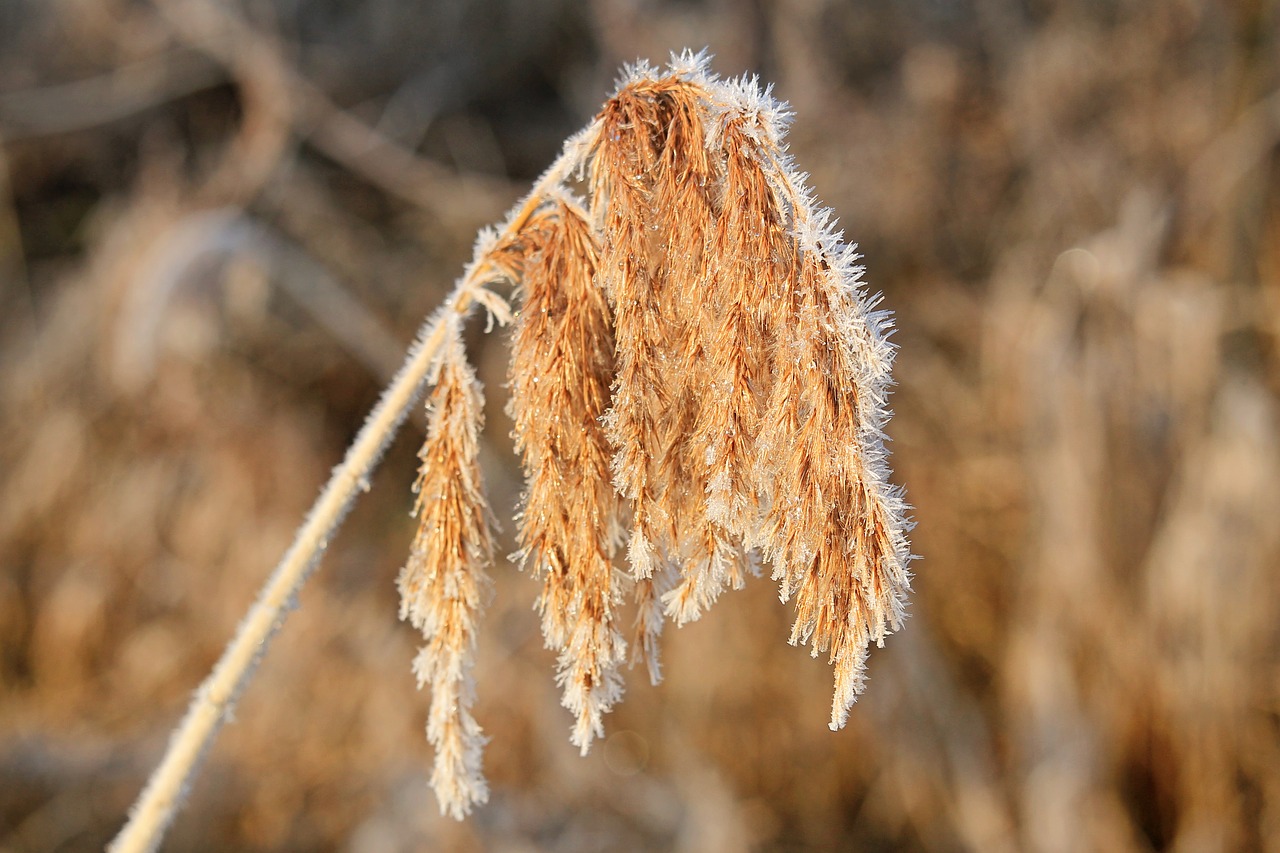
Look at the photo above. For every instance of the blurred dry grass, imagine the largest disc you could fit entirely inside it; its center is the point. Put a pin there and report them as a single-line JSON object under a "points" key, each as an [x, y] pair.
{"points": [[216, 235]]}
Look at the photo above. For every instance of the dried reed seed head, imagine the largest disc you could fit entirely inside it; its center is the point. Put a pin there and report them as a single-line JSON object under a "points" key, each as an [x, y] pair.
{"points": [[653, 169], [745, 266], [698, 353], [443, 584], [780, 319], [654, 155], [454, 530], [561, 372], [649, 618], [622, 206], [686, 185], [829, 526]]}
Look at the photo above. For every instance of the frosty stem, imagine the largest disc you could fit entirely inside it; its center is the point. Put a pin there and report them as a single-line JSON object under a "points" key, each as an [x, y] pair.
{"points": [[212, 702]]}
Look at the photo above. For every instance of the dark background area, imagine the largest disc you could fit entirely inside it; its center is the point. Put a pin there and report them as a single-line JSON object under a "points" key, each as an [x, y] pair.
{"points": [[221, 224]]}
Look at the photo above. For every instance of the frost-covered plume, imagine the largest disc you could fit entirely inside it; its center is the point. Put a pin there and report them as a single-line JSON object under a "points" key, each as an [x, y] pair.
{"points": [[562, 365], [443, 584], [699, 386]]}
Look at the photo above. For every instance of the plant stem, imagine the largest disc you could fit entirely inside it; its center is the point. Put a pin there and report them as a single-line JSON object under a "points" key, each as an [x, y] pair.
{"points": [[159, 800], [212, 701]]}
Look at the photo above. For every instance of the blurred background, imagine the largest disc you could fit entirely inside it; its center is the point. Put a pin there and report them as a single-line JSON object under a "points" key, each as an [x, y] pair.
{"points": [[221, 224]]}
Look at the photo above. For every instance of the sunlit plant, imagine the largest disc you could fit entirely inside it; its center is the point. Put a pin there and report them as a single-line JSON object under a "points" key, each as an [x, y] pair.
{"points": [[698, 383]]}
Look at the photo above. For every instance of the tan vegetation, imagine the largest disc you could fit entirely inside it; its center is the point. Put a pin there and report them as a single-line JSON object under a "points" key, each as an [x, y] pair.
{"points": [[703, 367], [218, 233], [442, 585]]}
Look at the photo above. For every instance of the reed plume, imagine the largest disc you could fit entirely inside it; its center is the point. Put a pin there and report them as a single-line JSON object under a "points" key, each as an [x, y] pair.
{"points": [[697, 374], [562, 366], [444, 581]]}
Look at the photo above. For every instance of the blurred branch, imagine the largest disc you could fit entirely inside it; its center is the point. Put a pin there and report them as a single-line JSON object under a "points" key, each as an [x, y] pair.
{"points": [[416, 103], [954, 718], [227, 232], [13, 266], [118, 94], [1225, 161], [397, 171]]}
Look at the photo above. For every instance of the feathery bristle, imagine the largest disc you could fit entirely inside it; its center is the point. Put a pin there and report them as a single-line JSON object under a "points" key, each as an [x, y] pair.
{"points": [[695, 354], [443, 583], [622, 210], [836, 529], [561, 372]]}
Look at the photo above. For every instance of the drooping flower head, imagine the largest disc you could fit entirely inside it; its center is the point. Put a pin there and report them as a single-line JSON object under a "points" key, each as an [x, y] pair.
{"points": [[699, 387]]}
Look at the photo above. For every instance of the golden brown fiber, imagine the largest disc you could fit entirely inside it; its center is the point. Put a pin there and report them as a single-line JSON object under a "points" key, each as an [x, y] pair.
{"points": [[696, 372], [444, 582], [561, 372]]}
